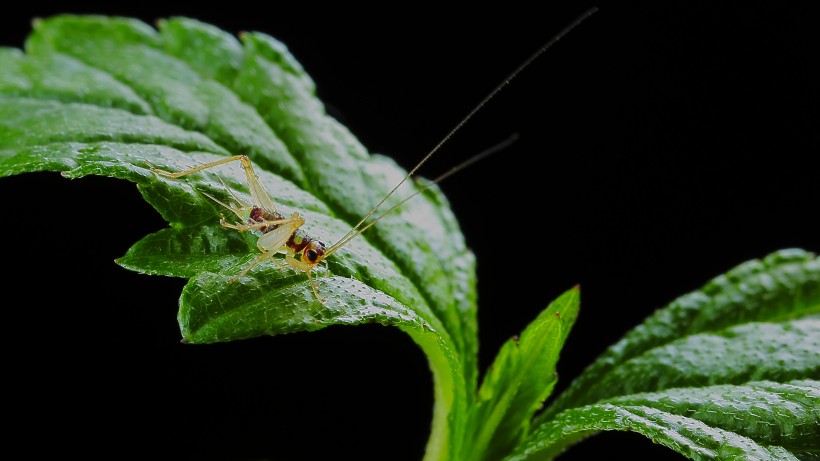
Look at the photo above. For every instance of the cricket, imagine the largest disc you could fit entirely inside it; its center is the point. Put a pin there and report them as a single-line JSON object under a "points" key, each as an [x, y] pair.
{"points": [[283, 234]]}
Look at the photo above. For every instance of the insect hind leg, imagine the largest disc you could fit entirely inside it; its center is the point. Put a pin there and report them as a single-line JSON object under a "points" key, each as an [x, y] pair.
{"points": [[260, 196], [238, 207], [293, 221], [204, 166]]}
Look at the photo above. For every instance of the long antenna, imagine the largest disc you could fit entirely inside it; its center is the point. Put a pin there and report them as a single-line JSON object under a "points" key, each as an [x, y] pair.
{"points": [[475, 158], [355, 230]]}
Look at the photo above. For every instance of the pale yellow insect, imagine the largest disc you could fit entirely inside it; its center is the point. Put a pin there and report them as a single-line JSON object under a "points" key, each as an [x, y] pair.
{"points": [[283, 234]]}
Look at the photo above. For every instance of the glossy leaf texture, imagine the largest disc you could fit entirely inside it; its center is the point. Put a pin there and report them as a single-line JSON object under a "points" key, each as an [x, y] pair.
{"points": [[729, 371], [114, 96]]}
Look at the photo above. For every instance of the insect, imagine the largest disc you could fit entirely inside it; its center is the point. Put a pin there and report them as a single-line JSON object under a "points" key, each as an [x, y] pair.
{"points": [[283, 234]]}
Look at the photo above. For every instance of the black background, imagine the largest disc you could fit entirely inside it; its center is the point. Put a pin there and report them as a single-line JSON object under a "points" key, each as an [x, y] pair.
{"points": [[660, 146]]}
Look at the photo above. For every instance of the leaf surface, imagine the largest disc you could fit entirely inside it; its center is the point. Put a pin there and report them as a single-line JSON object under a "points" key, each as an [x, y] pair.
{"points": [[114, 96], [729, 371]]}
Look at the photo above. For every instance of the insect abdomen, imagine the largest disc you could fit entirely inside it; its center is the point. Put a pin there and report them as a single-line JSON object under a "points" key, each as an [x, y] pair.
{"points": [[259, 215]]}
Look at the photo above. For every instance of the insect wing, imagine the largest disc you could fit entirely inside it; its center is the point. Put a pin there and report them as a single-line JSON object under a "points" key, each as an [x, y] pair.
{"points": [[277, 238]]}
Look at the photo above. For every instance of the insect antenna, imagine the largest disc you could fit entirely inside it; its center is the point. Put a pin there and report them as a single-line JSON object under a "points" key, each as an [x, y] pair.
{"points": [[355, 231], [475, 158]]}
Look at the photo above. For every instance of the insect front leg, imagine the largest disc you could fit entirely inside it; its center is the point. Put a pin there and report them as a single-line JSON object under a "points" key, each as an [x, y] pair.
{"points": [[306, 268]]}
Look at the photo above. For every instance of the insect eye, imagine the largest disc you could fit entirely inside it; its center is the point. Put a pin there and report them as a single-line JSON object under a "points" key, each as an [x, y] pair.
{"points": [[311, 255]]}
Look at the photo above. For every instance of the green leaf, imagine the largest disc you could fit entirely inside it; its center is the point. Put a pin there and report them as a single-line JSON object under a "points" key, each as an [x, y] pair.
{"points": [[520, 379], [744, 337], [729, 371], [784, 285], [757, 420], [113, 96]]}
